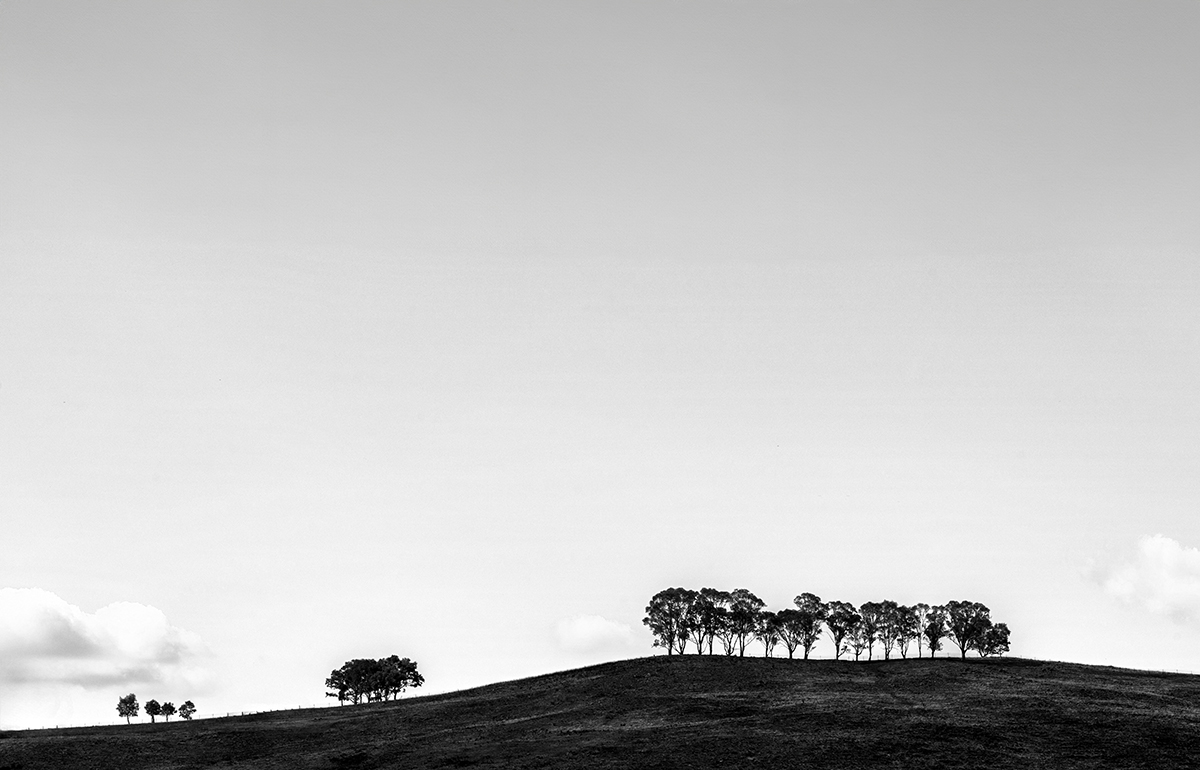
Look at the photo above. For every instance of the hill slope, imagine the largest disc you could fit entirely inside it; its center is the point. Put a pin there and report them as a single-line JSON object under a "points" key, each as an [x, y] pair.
{"points": [[696, 712]]}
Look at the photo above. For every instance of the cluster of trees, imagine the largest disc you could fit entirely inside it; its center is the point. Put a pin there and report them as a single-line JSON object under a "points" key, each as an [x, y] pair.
{"points": [[680, 616], [363, 679], [128, 707]]}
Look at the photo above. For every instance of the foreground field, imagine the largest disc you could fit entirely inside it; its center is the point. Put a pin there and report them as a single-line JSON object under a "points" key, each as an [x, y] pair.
{"points": [[696, 712]]}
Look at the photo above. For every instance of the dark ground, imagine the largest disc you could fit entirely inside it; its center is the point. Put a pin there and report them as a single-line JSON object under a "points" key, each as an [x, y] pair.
{"points": [[696, 712]]}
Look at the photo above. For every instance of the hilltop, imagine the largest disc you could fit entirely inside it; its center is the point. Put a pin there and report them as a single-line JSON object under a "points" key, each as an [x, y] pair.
{"points": [[696, 712]]}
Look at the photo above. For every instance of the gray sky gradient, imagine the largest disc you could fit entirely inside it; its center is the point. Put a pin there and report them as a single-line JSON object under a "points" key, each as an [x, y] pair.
{"points": [[343, 330]]}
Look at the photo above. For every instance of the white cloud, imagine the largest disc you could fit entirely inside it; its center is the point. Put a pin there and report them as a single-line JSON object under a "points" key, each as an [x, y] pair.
{"points": [[1162, 577], [45, 640], [593, 634]]}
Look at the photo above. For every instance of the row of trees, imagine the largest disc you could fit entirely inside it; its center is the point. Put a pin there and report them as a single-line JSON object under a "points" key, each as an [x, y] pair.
{"points": [[363, 679], [128, 707], [680, 616]]}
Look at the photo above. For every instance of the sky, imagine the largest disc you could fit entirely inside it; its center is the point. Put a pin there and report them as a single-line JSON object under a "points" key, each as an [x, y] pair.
{"points": [[458, 330]]}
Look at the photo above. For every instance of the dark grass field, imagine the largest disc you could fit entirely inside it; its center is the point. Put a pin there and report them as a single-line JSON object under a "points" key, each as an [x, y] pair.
{"points": [[696, 712]]}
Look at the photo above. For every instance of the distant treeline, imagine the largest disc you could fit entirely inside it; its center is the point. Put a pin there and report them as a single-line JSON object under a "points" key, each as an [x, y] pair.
{"points": [[680, 616], [363, 679], [128, 707]]}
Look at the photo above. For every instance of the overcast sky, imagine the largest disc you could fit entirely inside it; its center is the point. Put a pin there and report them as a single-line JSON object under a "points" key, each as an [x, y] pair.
{"points": [[457, 330]]}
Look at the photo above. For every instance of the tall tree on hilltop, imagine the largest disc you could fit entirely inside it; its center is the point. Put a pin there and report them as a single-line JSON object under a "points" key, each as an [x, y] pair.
{"points": [[668, 618], [127, 707], [934, 629], [168, 709], [338, 684], [718, 620], [790, 626], [707, 617], [907, 628], [921, 615], [872, 616], [152, 709], [397, 675], [967, 623], [888, 626], [857, 640], [768, 631], [994, 641], [187, 710], [840, 620], [812, 612], [743, 616]]}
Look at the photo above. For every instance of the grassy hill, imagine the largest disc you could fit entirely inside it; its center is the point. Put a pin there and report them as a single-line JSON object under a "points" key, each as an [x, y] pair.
{"points": [[696, 712]]}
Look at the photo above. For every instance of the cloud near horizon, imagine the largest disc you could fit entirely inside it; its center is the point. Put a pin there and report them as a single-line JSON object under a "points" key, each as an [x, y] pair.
{"points": [[594, 634], [46, 640], [1163, 577]]}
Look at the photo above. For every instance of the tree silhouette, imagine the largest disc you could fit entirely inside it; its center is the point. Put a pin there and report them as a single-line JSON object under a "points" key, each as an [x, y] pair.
{"points": [[888, 626], [994, 640], [840, 620], [364, 679], [967, 623], [743, 616], [857, 639], [187, 709], [168, 709], [934, 630], [127, 707], [811, 612], [921, 616], [789, 625], [152, 709], [668, 618], [907, 628], [678, 616], [872, 616], [768, 631]]}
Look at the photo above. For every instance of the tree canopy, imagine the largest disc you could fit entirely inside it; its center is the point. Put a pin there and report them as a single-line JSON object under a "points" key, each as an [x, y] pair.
{"points": [[364, 679], [127, 707], [679, 616]]}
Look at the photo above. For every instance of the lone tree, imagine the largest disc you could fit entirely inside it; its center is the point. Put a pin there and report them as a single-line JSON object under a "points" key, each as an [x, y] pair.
{"points": [[186, 710], [127, 707], [811, 615], [168, 709], [968, 622], [152, 709], [668, 616]]}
